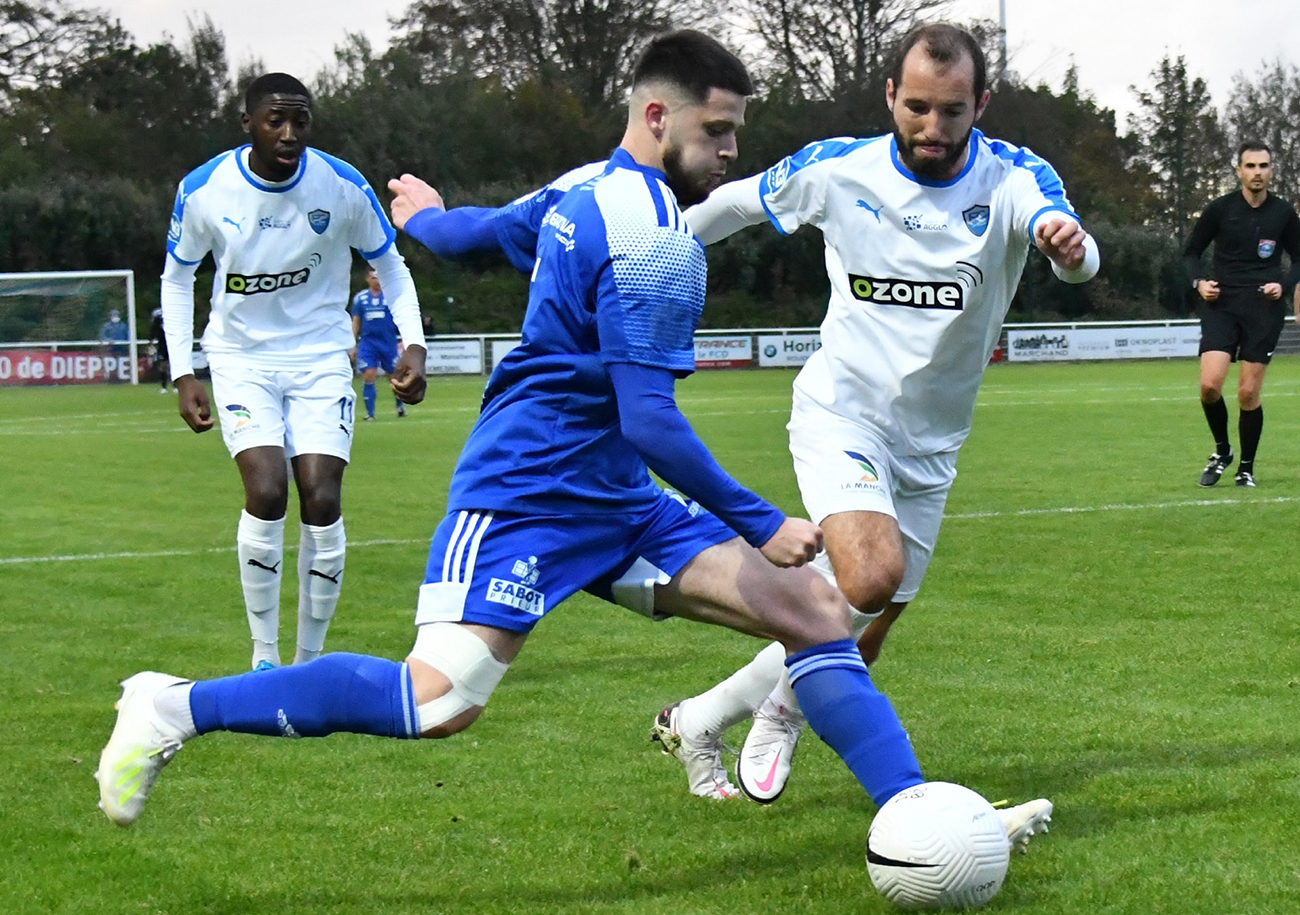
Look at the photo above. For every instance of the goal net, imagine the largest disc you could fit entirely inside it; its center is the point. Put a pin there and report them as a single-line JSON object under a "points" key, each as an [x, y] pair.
{"points": [[59, 328]]}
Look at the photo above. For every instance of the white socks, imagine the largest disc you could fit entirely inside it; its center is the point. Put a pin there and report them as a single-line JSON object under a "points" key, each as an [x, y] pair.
{"points": [[260, 546], [173, 704], [734, 699], [320, 577]]}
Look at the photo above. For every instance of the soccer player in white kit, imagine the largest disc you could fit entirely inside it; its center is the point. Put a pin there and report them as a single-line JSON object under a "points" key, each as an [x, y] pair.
{"points": [[280, 220], [927, 231]]}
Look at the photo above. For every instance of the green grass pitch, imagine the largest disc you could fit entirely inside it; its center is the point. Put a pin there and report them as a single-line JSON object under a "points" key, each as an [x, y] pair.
{"points": [[1095, 628]]}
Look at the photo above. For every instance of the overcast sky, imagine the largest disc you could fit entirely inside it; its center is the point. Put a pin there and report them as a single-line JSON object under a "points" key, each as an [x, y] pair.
{"points": [[1114, 43]]}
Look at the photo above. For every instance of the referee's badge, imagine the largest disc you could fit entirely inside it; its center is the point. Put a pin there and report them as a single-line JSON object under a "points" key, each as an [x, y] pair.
{"points": [[977, 219], [1266, 247], [319, 220]]}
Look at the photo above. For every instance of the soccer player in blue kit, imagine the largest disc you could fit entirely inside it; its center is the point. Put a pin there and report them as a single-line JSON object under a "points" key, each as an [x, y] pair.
{"points": [[552, 493], [376, 335]]}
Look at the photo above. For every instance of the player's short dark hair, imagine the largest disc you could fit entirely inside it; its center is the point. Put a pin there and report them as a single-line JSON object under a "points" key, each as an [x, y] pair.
{"points": [[944, 43], [273, 84], [1253, 146], [693, 61]]}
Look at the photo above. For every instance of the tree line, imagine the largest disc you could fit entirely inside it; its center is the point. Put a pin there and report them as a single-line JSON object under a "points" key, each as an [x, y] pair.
{"points": [[488, 99]]}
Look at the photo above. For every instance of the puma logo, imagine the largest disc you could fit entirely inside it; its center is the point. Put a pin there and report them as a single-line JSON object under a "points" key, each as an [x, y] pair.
{"points": [[334, 578], [274, 570], [874, 211]]}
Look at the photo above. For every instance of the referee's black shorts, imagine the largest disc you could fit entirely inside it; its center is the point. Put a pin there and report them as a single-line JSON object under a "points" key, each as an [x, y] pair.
{"points": [[1243, 323]]}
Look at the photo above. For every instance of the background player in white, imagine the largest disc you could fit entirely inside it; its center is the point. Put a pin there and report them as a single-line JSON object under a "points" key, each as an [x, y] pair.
{"points": [[375, 332], [926, 232], [552, 492], [281, 219]]}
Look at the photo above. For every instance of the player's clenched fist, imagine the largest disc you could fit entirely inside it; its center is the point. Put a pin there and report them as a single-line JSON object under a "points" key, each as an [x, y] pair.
{"points": [[796, 542]]}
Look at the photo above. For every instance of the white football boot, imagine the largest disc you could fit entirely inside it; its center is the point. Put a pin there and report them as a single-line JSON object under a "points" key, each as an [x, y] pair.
{"points": [[142, 743], [764, 765], [703, 759], [1026, 820]]}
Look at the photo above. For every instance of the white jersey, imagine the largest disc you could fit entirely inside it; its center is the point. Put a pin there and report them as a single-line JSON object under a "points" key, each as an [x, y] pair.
{"points": [[922, 274], [282, 251]]}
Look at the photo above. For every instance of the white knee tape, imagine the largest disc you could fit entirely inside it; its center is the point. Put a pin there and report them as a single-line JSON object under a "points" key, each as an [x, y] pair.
{"points": [[465, 660]]}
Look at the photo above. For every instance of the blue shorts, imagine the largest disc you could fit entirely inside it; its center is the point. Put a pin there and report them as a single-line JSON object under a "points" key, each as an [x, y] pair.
{"points": [[508, 571], [371, 356]]}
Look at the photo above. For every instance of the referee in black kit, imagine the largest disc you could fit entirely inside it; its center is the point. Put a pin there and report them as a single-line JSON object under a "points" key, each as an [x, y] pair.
{"points": [[1242, 309]]}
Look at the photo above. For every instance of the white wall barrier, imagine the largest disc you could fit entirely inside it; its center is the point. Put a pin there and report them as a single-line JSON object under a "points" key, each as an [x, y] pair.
{"points": [[787, 350], [1060, 344], [475, 354], [454, 356]]}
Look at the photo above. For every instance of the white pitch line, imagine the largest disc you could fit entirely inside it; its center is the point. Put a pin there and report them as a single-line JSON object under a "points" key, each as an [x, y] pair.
{"points": [[157, 554], [963, 516], [1120, 507]]}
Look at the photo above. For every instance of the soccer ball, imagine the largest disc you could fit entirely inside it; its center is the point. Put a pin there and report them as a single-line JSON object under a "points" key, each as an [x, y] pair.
{"points": [[937, 846]]}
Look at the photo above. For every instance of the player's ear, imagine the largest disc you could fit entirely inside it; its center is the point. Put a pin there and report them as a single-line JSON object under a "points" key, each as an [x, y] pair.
{"points": [[656, 117], [246, 122], [981, 104], [889, 94]]}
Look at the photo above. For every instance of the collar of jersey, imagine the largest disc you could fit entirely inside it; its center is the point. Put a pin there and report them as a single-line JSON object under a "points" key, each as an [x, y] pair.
{"points": [[621, 158], [975, 138], [260, 183]]}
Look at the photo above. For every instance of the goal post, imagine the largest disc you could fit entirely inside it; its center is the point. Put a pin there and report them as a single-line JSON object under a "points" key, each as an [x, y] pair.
{"points": [[55, 328]]}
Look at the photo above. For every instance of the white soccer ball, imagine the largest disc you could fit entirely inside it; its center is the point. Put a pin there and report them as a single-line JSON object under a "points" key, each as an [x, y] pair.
{"points": [[937, 846]]}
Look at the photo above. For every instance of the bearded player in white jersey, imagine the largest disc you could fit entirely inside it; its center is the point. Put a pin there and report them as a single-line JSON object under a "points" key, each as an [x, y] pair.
{"points": [[927, 232], [280, 220]]}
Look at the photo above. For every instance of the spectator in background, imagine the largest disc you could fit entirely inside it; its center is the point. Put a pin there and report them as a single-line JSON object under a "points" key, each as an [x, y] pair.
{"points": [[114, 332]]}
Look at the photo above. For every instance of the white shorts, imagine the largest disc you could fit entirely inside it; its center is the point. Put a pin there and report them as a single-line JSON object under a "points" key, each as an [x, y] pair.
{"points": [[844, 467], [304, 411]]}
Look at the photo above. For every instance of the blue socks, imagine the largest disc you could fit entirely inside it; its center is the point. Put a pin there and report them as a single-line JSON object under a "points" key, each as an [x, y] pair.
{"points": [[336, 692], [844, 708], [368, 394]]}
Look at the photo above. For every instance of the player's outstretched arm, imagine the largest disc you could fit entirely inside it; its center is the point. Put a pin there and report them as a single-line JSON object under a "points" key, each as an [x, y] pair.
{"points": [[410, 195], [653, 425], [730, 208]]}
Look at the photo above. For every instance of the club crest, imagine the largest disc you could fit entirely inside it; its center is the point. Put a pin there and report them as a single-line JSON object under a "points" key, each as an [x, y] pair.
{"points": [[319, 220], [976, 219], [1266, 247]]}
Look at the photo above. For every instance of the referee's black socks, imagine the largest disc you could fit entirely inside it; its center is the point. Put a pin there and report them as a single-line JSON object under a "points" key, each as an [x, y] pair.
{"points": [[1250, 425], [1216, 414]]}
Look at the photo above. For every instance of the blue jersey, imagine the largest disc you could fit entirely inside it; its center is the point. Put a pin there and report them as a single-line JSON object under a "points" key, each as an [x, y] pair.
{"points": [[378, 329], [618, 277]]}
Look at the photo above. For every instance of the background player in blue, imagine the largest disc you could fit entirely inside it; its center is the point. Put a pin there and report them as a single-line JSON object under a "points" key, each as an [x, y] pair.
{"points": [[281, 220], [376, 336], [552, 493]]}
